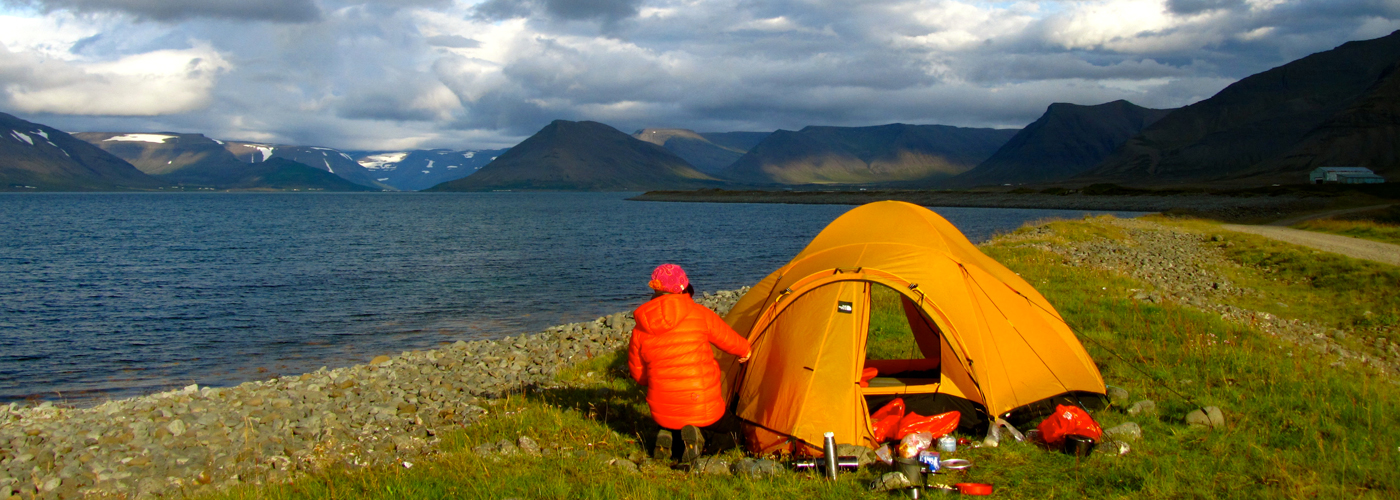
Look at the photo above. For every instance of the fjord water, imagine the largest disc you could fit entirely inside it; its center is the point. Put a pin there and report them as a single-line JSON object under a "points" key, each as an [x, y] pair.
{"points": [[118, 294]]}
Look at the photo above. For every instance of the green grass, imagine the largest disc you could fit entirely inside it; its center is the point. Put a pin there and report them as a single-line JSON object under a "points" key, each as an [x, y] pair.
{"points": [[1364, 229], [1297, 427], [890, 335], [1293, 282]]}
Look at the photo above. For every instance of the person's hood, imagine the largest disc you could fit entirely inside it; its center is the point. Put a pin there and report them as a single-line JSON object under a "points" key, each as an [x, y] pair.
{"points": [[663, 313]]}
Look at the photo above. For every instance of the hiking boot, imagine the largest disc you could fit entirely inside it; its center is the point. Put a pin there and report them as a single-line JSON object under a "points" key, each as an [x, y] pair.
{"points": [[663, 445], [694, 443]]}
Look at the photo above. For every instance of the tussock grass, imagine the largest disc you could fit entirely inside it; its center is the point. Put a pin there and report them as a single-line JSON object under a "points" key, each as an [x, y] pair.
{"points": [[1365, 229], [1297, 427]]}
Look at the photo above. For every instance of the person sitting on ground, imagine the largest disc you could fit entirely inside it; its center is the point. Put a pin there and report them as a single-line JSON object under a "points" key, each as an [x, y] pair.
{"points": [[670, 356]]}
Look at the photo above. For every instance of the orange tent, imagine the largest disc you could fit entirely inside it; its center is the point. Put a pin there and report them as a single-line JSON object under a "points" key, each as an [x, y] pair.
{"points": [[1001, 345]]}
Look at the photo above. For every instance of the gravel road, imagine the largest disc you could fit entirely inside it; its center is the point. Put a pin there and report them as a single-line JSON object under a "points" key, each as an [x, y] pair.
{"points": [[1376, 251]]}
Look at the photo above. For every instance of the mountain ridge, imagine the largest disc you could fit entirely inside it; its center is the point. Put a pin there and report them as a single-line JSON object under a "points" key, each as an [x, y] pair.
{"points": [[1246, 127], [39, 157], [583, 156], [1064, 141], [864, 155]]}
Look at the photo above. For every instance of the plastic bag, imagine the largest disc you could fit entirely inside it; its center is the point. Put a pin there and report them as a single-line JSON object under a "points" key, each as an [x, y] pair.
{"points": [[994, 432], [886, 420], [884, 454], [867, 374], [938, 425], [911, 445], [1068, 420]]}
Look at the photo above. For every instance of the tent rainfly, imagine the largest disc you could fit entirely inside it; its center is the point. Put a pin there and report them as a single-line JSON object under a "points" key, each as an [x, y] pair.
{"points": [[990, 340]]}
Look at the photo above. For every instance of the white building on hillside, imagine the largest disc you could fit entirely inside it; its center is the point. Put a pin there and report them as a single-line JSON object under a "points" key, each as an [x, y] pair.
{"points": [[1345, 175]]}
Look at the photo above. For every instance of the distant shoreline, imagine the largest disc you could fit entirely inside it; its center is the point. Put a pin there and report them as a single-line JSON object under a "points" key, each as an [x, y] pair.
{"points": [[1234, 208]]}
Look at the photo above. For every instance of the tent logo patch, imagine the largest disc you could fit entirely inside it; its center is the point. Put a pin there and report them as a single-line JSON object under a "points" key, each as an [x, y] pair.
{"points": [[844, 307]]}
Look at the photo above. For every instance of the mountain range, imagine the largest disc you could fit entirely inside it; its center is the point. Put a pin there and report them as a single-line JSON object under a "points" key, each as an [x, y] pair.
{"points": [[194, 160], [421, 169], [327, 159], [38, 157], [861, 155], [585, 155]]}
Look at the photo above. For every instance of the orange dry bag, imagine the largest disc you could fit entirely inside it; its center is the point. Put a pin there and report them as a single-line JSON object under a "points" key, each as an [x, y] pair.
{"points": [[887, 419], [939, 425], [1068, 420]]}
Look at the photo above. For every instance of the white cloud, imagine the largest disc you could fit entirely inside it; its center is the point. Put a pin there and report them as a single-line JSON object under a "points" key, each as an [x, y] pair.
{"points": [[152, 83]]}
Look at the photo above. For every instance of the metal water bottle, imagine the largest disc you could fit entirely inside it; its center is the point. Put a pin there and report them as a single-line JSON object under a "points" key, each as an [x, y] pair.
{"points": [[829, 449]]}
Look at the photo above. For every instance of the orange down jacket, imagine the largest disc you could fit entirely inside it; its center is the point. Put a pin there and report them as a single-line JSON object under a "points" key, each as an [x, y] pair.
{"points": [[670, 355]]}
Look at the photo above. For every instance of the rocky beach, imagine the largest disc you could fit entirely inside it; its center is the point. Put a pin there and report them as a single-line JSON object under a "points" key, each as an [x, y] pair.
{"points": [[192, 440]]}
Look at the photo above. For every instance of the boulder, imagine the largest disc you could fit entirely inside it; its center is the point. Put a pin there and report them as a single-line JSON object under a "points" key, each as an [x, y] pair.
{"points": [[710, 465], [891, 481], [755, 467], [863, 455], [1209, 416], [1117, 395]]}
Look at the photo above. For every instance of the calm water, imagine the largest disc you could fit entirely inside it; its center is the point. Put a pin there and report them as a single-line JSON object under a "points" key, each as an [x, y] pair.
{"points": [[113, 295]]}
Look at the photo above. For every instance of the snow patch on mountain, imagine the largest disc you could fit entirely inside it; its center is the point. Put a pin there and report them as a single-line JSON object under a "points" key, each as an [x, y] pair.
{"points": [[21, 136], [384, 161], [156, 138]]}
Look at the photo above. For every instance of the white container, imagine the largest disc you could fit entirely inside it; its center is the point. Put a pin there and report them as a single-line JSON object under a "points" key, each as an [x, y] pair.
{"points": [[947, 444]]}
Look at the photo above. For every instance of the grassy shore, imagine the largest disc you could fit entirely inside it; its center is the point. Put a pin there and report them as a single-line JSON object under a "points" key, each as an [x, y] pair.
{"points": [[1379, 225], [1300, 424]]}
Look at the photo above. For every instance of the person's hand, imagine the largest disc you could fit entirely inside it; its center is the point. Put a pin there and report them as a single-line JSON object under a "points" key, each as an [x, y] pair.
{"points": [[745, 359]]}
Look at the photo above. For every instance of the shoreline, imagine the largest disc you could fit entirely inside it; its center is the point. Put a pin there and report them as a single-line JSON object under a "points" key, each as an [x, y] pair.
{"points": [[1233, 208], [200, 439]]}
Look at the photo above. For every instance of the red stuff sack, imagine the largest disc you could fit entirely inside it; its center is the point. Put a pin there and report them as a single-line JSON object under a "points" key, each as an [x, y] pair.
{"points": [[939, 425], [887, 419], [867, 374], [1068, 420]]}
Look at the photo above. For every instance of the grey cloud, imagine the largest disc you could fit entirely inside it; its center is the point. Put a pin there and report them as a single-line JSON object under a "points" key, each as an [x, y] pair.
{"points": [[608, 11], [383, 105], [453, 41], [287, 11], [1188, 7]]}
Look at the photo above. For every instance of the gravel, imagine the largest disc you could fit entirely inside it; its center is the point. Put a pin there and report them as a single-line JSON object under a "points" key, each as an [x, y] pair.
{"points": [[196, 439]]}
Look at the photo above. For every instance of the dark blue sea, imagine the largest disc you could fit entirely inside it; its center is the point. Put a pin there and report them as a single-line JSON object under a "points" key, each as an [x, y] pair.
{"points": [[117, 294]]}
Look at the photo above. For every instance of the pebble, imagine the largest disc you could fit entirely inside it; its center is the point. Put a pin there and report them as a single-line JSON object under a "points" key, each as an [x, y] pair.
{"points": [[386, 412]]}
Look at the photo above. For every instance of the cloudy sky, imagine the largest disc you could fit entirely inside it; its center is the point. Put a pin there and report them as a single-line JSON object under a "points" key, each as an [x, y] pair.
{"points": [[399, 74]]}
